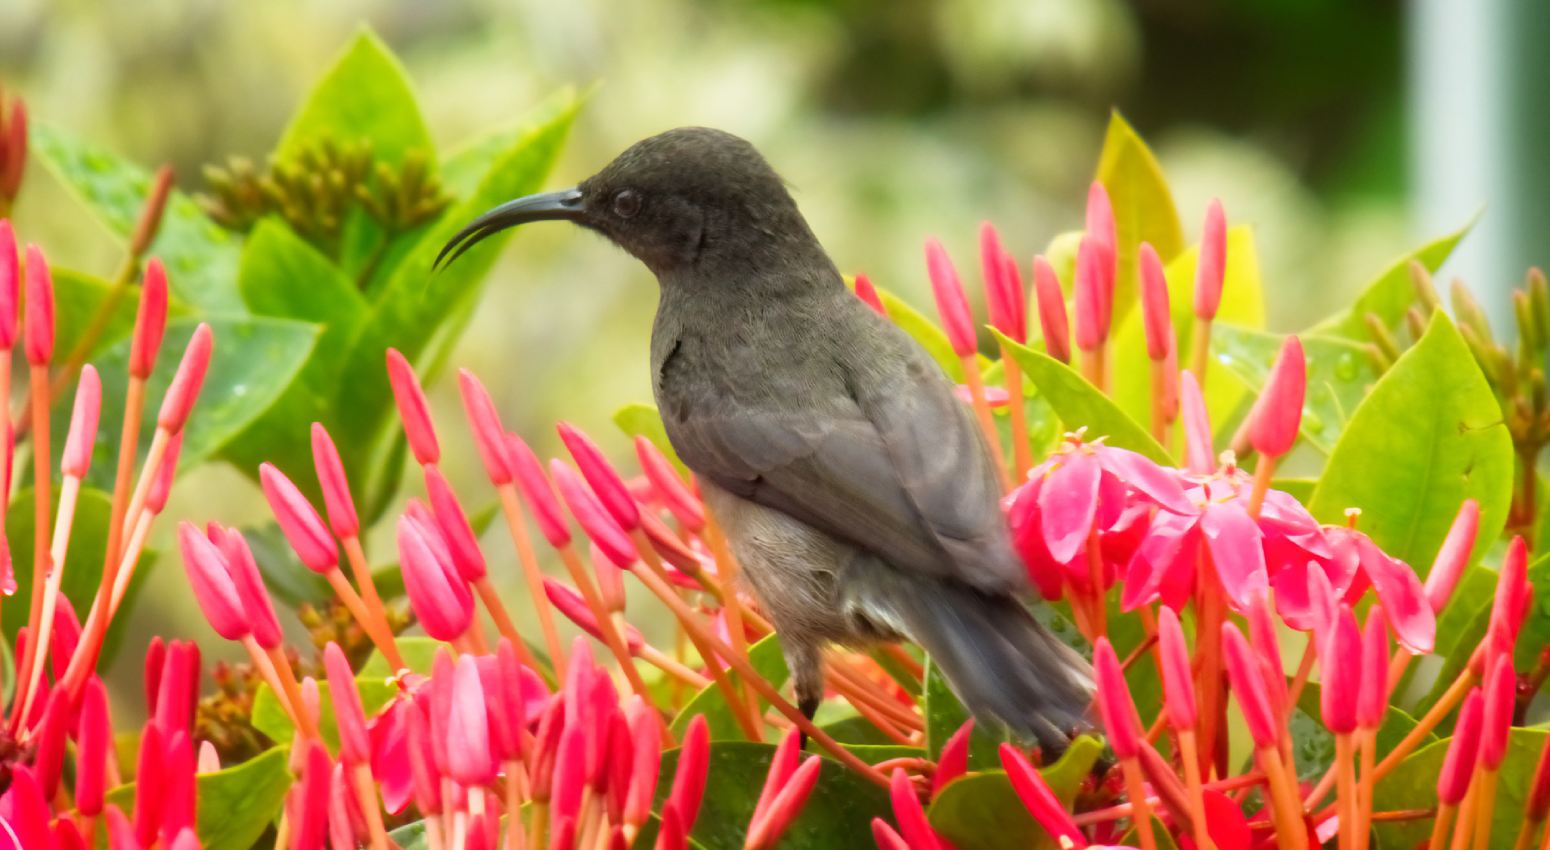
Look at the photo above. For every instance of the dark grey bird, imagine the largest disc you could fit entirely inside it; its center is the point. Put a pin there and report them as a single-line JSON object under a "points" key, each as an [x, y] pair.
{"points": [[856, 490]]}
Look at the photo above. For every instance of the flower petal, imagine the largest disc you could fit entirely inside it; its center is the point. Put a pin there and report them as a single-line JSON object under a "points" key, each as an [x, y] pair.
{"points": [[1404, 599], [1236, 549], [1139, 473], [1068, 505]]}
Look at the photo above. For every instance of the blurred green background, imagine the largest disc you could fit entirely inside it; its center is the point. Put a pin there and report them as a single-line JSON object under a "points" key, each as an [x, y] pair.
{"points": [[892, 121]]}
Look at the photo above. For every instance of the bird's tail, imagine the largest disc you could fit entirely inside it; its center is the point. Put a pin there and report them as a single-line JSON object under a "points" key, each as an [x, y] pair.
{"points": [[1001, 662]]}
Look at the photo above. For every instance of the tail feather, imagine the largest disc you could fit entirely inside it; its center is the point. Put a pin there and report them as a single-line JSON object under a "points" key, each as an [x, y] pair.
{"points": [[1001, 662]]}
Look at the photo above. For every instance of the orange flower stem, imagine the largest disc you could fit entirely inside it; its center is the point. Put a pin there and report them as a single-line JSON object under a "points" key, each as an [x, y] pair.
{"points": [[1485, 807], [371, 601], [1345, 790], [1367, 747], [1022, 450], [503, 622], [292, 689], [366, 795], [1135, 787], [1160, 417], [1464, 826], [1200, 350], [511, 506], [1190, 756], [976, 384], [1262, 474], [727, 567], [42, 466], [1441, 824], [1285, 808], [605, 625], [353, 603]]}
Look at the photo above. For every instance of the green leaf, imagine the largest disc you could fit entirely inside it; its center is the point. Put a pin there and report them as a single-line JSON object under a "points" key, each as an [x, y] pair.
{"points": [[1413, 785], [364, 95], [201, 258], [235, 805], [1313, 746], [419, 653], [838, 811], [945, 715], [77, 298], [981, 811], [1460, 628], [253, 361], [1428, 436], [83, 561], [1079, 404], [1243, 303], [1339, 375], [269, 718], [639, 419], [1392, 292], [766, 657], [1143, 206]]}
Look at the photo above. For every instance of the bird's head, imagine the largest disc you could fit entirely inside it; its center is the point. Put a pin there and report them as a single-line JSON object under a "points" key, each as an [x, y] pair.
{"points": [[673, 201]]}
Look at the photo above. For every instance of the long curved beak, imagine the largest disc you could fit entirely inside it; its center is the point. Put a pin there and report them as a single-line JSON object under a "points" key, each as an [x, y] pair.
{"points": [[564, 205]]}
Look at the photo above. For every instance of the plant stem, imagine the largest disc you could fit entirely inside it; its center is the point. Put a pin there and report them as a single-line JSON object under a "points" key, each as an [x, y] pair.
{"points": [[42, 467], [976, 384], [511, 506], [1200, 350], [1160, 417], [605, 624], [1485, 807], [1022, 452], [727, 566], [1367, 746], [1345, 794], [1441, 825], [1135, 786], [371, 600], [1189, 755], [1286, 809]]}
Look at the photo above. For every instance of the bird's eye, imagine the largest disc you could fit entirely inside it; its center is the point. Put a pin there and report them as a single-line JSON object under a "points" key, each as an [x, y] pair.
{"points": [[626, 203]]}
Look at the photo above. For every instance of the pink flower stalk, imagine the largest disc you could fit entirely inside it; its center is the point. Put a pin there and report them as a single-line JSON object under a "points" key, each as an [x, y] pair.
{"points": [[455, 528], [468, 730], [1177, 677], [337, 500], [1248, 682], [1092, 322], [539, 492], [769, 825], [951, 302], [675, 495], [1277, 414], [1039, 798], [909, 814], [954, 761], [1004, 294], [887, 838], [1340, 661], [1120, 719], [39, 309], [489, 433], [413, 409], [1452, 559], [601, 477], [10, 285], [1211, 268], [150, 321], [1373, 696], [1158, 320], [1496, 718], [161, 485], [869, 295], [94, 740], [349, 714], [303, 528], [440, 598], [689, 778], [591, 516], [187, 381], [210, 578], [1458, 766], [1053, 322], [76, 459]]}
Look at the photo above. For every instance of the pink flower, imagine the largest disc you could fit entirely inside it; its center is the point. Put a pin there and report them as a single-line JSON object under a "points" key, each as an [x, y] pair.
{"points": [[679, 499], [211, 581], [1501, 692], [1458, 766], [455, 528], [1158, 321], [601, 477], [868, 295], [249, 585], [951, 303], [1211, 268], [25, 809], [10, 285], [911, 817], [1004, 296], [150, 321], [538, 492], [1039, 798], [1354, 563], [1248, 682], [334, 483], [645, 762], [954, 761], [39, 308], [349, 714], [83, 424], [1104, 235], [1177, 678], [468, 730], [1340, 660], [161, 485], [94, 737], [1277, 414], [178, 403], [440, 598], [1120, 719], [413, 409], [1053, 322], [489, 434], [689, 778], [1092, 322], [767, 826], [309, 822], [300, 522], [1453, 557], [887, 838], [574, 608], [591, 516], [1373, 697], [1199, 458]]}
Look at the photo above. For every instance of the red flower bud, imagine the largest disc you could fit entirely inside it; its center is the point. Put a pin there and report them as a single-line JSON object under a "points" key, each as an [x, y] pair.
{"points": [[591, 517], [335, 484], [1039, 798], [868, 295], [422, 762], [94, 739], [1458, 766], [1453, 557], [469, 756], [1211, 268], [412, 408], [1501, 692], [1263, 638], [83, 425], [679, 499], [211, 582], [1277, 414], [671, 835], [187, 381], [909, 814], [574, 608], [309, 822], [954, 761], [489, 434], [150, 321], [150, 785], [1248, 682], [887, 838], [39, 308], [439, 597], [539, 492], [161, 485], [951, 303], [1004, 296], [1154, 304], [689, 778], [300, 522], [645, 762], [1512, 589], [601, 477], [48, 760], [1120, 719], [1199, 456], [1178, 683], [1053, 322], [767, 827], [349, 713], [249, 584], [1092, 322], [1340, 663], [26, 810], [10, 285], [454, 525], [1373, 698]]}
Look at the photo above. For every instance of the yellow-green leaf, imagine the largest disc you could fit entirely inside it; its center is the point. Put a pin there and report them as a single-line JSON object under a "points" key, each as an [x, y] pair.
{"points": [[1143, 206], [1390, 294]]}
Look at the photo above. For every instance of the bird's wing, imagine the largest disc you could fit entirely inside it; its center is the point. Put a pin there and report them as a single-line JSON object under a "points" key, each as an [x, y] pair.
{"points": [[904, 474]]}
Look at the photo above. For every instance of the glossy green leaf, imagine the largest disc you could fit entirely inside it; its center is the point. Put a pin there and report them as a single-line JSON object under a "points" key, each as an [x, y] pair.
{"points": [[1390, 294], [364, 95], [269, 718], [1313, 747], [838, 812], [1143, 206], [77, 298], [1079, 404], [639, 419], [418, 651], [945, 714], [1460, 628], [234, 805], [1413, 785], [1339, 375], [83, 561], [253, 361], [1535, 634], [1428, 436], [766, 657], [201, 258], [981, 811]]}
